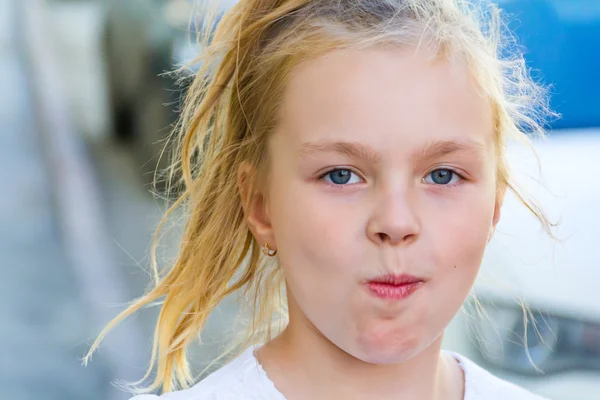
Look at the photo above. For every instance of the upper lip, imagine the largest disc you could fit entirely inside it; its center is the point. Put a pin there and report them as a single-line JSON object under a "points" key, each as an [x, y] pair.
{"points": [[394, 279]]}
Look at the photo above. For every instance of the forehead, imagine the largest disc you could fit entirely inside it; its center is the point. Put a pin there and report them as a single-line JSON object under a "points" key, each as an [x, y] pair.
{"points": [[383, 96]]}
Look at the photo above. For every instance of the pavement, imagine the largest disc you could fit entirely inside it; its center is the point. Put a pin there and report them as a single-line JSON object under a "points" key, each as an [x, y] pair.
{"points": [[75, 223], [47, 317]]}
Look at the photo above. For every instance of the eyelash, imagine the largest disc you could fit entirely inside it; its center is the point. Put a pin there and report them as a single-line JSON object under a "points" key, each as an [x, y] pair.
{"points": [[444, 187], [336, 186], [461, 178]]}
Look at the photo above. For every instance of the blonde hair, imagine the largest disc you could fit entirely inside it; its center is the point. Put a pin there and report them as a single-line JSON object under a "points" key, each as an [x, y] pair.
{"points": [[229, 113]]}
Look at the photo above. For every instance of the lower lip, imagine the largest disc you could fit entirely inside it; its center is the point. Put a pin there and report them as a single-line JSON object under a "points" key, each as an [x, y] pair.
{"points": [[393, 292]]}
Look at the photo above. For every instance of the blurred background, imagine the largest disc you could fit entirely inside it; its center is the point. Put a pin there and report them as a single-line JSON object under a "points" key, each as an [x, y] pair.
{"points": [[84, 108]]}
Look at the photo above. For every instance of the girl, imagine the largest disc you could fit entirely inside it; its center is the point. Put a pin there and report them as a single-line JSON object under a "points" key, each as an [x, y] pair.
{"points": [[344, 167]]}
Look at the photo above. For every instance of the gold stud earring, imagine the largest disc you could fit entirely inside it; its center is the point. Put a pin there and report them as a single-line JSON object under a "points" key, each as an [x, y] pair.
{"points": [[267, 251]]}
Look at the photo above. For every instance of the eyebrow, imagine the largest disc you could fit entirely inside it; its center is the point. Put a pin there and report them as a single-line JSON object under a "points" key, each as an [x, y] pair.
{"points": [[352, 149], [432, 149], [441, 148]]}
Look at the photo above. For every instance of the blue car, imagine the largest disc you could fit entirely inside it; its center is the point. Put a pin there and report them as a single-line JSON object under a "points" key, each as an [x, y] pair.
{"points": [[562, 42]]}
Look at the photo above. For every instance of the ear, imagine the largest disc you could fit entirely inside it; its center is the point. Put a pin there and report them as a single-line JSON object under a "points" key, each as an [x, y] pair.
{"points": [[255, 206], [500, 194]]}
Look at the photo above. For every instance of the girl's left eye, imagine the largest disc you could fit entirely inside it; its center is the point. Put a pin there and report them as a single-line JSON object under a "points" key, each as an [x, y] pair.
{"points": [[341, 177], [442, 176]]}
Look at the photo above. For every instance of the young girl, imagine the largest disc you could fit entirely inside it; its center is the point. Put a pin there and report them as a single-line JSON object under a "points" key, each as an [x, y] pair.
{"points": [[344, 168]]}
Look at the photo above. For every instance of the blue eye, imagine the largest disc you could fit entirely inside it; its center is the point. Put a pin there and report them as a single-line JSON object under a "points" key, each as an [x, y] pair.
{"points": [[340, 176], [442, 176]]}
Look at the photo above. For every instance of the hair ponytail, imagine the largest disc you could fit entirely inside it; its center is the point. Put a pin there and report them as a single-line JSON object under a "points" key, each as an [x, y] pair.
{"points": [[218, 254]]}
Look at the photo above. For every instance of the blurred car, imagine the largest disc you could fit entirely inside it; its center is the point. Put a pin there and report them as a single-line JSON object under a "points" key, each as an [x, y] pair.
{"points": [[555, 351], [144, 40]]}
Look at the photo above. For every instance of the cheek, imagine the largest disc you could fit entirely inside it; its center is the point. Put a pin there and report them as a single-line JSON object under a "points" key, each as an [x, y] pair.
{"points": [[318, 245], [310, 227], [460, 240], [312, 253]]}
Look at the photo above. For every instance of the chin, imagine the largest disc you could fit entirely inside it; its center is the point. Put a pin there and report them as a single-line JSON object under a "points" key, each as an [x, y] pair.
{"points": [[392, 356], [388, 349]]}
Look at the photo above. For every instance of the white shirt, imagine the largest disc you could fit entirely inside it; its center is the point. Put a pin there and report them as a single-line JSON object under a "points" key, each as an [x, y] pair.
{"points": [[245, 379]]}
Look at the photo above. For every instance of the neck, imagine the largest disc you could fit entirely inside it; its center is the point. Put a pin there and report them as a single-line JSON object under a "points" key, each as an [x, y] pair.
{"points": [[305, 365]]}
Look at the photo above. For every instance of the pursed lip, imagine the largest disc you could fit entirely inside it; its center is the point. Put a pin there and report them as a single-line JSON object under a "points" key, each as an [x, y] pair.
{"points": [[394, 287], [396, 280]]}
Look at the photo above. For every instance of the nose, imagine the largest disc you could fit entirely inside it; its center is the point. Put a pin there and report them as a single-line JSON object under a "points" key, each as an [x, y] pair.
{"points": [[394, 219]]}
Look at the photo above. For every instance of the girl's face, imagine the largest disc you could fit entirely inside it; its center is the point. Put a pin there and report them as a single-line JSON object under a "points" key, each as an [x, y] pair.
{"points": [[384, 164]]}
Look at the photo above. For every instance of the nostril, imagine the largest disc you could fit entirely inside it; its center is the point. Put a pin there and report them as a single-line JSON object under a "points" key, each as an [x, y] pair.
{"points": [[383, 237]]}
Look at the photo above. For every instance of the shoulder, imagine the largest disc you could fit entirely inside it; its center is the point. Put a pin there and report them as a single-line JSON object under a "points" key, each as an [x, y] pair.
{"points": [[481, 384], [241, 379]]}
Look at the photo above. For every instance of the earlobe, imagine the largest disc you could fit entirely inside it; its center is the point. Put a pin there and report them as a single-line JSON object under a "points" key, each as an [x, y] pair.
{"points": [[497, 212], [254, 206], [498, 206]]}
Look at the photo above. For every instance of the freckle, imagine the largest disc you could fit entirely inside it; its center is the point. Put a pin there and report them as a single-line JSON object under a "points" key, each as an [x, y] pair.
{"points": [[455, 266]]}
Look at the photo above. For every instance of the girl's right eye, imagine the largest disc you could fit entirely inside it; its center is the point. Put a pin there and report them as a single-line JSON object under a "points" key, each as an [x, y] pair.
{"points": [[340, 176]]}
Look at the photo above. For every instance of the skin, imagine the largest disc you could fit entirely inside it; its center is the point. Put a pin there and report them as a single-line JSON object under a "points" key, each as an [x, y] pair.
{"points": [[395, 122]]}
